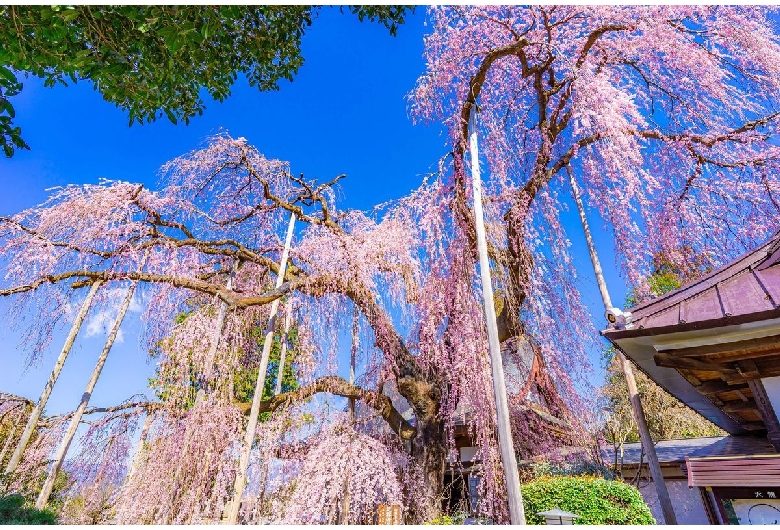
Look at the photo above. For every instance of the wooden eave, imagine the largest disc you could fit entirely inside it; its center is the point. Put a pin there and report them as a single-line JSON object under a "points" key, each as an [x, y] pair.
{"points": [[734, 471]]}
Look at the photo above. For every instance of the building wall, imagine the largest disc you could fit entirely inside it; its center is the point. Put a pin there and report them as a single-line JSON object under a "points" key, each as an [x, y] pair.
{"points": [[686, 501]]}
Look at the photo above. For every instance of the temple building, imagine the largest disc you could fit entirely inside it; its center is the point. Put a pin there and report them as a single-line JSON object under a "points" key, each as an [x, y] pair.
{"points": [[714, 344]]}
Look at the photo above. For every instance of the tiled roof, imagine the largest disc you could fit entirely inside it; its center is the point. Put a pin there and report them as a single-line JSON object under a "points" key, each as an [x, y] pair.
{"points": [[673, 451], [747, 289]]}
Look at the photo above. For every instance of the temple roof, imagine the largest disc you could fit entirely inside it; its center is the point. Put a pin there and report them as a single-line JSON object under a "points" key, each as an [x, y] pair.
{"points": [[747, 289], [675, 451], [713, 341]]}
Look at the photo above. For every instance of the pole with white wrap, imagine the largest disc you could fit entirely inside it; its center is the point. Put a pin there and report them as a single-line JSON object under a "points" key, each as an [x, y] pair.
{"points": [[251, 428], [508, 458]]}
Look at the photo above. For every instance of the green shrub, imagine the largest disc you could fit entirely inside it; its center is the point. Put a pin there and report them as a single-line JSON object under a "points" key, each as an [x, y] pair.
{"points": [[14, 510], [595, 500], [445, 519]]}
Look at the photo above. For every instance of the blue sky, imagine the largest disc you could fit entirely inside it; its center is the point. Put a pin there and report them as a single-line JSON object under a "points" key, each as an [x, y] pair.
{"points": [[345, 112]]}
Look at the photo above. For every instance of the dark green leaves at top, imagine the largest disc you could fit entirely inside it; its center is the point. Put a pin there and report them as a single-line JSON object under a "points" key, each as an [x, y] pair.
{"points": [[154, 60], [10, 136]]}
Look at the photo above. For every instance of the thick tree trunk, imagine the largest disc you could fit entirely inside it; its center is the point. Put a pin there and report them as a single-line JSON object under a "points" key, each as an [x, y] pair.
{"points": [[429, 451], [35, 415]]}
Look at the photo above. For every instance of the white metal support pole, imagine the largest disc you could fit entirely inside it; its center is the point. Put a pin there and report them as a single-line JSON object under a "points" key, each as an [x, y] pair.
{"points": [[43, 498], [35, 415], [628, 371], [251, 429], [508, 458]]}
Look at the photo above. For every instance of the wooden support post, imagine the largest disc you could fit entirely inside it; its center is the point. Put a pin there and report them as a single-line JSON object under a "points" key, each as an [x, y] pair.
{"points": [[141, 441], [628, 372], [508, 457], [59, 457], [251, 429], [345, 500], [767, 412], [283, 352], [36, 412], [216, 338], [277, 390], [352, 360]]}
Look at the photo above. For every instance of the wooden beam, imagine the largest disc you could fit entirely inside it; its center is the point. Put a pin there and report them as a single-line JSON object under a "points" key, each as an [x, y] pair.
{"points": [[768, 368], [686, 363], [715, 387], [753, 425], [747, 369], [771, 344], [739, 406], [768, 413]]}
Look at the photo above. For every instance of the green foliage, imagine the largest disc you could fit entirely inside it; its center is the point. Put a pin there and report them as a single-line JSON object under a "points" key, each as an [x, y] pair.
{"points": [[671, 272], [595, 500], [458, 519], [153, 61], [14, 509], [12, 423], [244, 381]]}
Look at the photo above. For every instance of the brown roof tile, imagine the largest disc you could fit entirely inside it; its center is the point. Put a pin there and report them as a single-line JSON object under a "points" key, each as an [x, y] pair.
{"points": [[746, 289]]}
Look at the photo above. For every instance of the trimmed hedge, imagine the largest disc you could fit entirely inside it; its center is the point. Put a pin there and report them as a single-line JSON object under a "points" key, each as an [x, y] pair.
{"points": [[595, 500], [13, 510]]}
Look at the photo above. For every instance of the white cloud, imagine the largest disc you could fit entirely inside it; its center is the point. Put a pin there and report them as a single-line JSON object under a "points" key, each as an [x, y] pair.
{"points": [[100, 323]]}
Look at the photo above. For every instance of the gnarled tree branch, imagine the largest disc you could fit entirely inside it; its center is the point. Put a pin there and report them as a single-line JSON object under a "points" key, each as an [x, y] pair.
{"points": [[338, 386]]}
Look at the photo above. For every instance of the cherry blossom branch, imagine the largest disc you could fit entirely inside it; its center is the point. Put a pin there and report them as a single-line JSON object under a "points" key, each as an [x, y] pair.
{"points": [[340, 387], [51, 242], [147, 406]]}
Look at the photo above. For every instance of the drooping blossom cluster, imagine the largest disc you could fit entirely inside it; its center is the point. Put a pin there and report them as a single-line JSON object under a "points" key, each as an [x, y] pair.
{"points": [[342, 462], [96, 473], [184, 470], [666, 114]]}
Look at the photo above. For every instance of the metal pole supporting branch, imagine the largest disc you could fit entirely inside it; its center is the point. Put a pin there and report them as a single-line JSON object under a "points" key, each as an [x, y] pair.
{"points": [[508, 457]]}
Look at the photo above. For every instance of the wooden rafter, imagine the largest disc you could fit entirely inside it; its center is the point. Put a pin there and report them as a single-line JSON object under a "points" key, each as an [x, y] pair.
{"points": [[763, 346], [767, 412]]}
